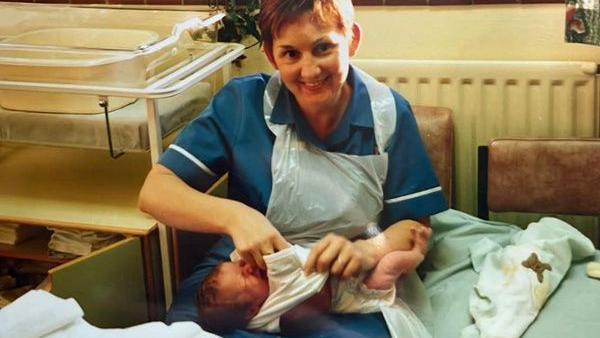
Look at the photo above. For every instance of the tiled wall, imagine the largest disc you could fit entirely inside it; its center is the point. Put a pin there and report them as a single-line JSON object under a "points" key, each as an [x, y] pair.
{"points": [[356, 2]]}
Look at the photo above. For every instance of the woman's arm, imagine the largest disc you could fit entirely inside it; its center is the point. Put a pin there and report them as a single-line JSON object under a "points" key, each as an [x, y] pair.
{"points": [[171, 201]]}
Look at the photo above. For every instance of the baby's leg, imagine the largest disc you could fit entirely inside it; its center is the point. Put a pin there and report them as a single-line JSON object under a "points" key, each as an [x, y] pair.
{"points": [[396, 263]]}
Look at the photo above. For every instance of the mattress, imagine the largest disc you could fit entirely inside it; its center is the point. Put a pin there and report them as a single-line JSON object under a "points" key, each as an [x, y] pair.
{"points": [[128, 124]]}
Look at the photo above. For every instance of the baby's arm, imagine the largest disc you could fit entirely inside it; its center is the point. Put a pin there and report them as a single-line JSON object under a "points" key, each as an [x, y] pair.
{"points": [[308, 315], [398, 262]]}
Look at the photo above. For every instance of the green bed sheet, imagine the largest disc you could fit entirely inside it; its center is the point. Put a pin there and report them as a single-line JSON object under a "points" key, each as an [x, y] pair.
{"points": [[572, 311]]}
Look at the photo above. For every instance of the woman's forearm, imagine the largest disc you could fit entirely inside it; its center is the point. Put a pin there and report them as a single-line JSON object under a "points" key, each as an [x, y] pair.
{"points": [[169, 200], [173, 202]]}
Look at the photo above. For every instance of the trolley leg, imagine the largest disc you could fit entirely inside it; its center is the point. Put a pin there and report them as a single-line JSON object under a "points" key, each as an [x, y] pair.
{"points": [[155, 135]]}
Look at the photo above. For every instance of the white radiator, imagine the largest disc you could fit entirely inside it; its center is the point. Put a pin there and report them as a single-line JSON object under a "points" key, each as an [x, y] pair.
{"points": [[493, 99]]}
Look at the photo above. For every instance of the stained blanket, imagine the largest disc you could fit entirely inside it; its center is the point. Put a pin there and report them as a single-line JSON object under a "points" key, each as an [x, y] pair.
{"points": [[460, 240]]}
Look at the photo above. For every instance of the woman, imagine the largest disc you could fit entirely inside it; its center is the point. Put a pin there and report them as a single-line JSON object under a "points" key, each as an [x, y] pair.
{"points": [[318, 148]]}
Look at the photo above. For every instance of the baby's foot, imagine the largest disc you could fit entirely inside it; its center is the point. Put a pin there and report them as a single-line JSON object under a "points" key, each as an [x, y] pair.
{"points": [[392, 266], [396, 263]]}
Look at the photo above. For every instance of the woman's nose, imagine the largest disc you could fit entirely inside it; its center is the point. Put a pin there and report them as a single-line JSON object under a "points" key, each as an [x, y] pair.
{"points": [[310, 68]]}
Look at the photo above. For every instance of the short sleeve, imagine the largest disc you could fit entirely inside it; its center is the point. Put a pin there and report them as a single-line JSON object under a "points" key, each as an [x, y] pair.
{"points": [[202, 151], [411, 189]]}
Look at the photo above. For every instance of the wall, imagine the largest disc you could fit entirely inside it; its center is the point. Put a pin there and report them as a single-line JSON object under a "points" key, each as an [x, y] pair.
{"points": [[487, 32], [502, 32]]}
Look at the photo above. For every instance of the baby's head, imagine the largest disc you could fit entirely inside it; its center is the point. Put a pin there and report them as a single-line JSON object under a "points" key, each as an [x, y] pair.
{"points": [[231, 295]]}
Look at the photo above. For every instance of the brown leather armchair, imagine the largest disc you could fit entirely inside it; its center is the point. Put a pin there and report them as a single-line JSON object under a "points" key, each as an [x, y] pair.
{"points": [[437, 133], [557, 176]]}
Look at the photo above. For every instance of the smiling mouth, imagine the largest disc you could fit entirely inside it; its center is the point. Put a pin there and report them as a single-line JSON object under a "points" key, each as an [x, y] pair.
{"points": [[314, 85]]}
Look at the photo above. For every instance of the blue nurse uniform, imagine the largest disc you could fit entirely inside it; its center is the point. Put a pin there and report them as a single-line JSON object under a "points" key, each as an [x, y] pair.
{"points": [[232, 136]]}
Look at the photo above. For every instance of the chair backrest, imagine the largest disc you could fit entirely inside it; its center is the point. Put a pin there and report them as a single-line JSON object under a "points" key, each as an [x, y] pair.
{"points": [[558, 176], [436, 128]]}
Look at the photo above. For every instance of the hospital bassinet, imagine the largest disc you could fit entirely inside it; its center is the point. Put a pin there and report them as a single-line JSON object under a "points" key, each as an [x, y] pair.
{"points": [[91, 47], [60, 67], [101, 78]]}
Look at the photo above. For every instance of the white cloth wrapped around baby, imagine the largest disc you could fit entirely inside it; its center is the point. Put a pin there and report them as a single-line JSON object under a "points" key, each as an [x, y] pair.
{"points": [[289, 286]]}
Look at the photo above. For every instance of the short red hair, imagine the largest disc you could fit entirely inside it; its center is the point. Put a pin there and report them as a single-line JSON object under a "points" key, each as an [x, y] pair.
{"points": [[275, 13]]}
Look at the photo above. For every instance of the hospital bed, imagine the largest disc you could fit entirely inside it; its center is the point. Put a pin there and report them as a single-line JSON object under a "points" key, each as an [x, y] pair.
{"points": [[548, 176], [573, 310]]}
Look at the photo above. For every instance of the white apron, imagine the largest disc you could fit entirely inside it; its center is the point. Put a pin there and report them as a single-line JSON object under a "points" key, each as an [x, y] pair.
{"points": [[316, 192]]}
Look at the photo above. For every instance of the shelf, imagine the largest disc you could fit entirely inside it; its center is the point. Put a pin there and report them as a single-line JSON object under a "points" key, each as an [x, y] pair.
{"points": [[35, 248], [73, 188]]}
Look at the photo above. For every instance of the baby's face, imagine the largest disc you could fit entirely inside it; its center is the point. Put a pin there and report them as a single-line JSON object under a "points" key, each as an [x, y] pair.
{"points": [[240, 282]]}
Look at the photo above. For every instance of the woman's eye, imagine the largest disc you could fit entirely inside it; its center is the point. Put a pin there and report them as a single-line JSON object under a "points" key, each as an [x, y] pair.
{"points": [[290, 54], [322, 48]]}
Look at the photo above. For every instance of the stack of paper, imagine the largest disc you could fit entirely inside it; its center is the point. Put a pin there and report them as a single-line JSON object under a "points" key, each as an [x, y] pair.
{"points": [[79, 242], [13, 233]]}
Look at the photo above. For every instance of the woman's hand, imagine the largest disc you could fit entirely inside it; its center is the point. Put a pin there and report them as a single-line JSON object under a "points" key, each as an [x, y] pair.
{"points": [[339, 256], [254, 236]]}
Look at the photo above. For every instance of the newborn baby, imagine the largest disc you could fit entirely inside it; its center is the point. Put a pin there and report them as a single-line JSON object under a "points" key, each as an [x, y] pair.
{"points": [[238, 295]]}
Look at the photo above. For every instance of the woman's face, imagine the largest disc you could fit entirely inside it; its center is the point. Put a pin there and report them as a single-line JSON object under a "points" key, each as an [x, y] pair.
{"points": [[313, 61]]}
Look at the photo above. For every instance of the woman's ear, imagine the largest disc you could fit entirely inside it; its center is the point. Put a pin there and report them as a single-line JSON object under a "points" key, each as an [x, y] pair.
{"points": [[356, 36]]}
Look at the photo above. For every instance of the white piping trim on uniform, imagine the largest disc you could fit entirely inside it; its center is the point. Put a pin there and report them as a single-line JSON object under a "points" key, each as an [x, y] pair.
{"points": [[193, 159], [413, 195]]}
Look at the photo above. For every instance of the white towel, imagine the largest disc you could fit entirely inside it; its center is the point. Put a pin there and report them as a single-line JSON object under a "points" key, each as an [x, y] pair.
{"points": [[39, 314], [79, 328], [159, 329], [82, 329], [36, 314]]}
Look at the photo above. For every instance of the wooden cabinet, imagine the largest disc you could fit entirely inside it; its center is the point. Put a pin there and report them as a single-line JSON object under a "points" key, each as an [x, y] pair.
{"points": [[118, 285], [109, 284]]}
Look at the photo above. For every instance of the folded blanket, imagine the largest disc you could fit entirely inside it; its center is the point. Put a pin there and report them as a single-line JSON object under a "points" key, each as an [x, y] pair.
{"points": [[82, 329], [40, 314], [36, 314]]}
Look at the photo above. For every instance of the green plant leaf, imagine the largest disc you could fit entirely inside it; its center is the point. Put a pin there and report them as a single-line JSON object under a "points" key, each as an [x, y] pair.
{"points": [[240, 20]]}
